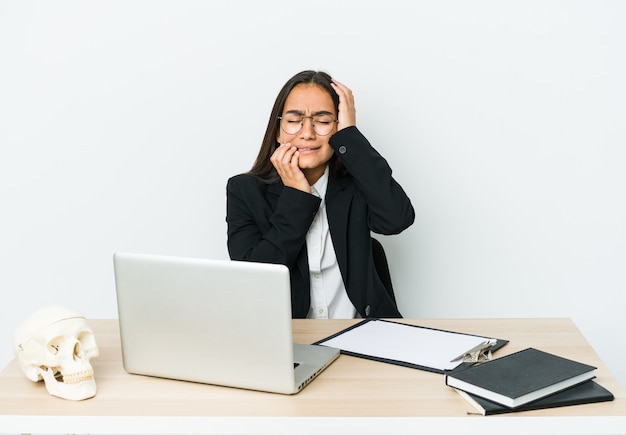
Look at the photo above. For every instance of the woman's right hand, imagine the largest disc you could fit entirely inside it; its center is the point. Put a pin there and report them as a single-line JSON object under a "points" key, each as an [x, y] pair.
{"points": [[285, 160]]}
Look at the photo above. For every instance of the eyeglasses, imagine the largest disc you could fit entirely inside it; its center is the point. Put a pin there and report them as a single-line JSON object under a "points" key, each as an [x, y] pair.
{"points": [[292, 123]]}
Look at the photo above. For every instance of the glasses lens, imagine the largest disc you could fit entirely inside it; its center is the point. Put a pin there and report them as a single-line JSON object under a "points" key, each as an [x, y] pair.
{"points": [[291, 124], [323, 124]]}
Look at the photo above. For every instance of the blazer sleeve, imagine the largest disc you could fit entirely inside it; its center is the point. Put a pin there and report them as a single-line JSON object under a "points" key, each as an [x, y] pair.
{"points": [[267, 222], [389, 208]]}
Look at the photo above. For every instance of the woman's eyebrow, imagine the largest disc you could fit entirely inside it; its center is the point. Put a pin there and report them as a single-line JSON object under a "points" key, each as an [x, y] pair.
{"points": [[295, 112], [301, 113]]}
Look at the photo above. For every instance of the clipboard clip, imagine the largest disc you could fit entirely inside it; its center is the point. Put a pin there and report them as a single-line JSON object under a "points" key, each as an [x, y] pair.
{"points": [[479, 353]]}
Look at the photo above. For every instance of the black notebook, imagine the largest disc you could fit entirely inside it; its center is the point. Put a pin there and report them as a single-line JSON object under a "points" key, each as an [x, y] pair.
{"points": [[587, 392], [521, 377]]}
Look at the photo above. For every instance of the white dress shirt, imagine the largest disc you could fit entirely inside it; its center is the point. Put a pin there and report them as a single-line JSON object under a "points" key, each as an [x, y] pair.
{"points": [[329, 299]]}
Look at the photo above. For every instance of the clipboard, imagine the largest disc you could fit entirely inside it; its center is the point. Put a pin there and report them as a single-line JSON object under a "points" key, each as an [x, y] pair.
{"points": [[413, 346]]}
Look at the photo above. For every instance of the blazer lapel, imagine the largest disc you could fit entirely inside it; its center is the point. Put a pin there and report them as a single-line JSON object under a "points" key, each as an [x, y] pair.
{"points": [[338, 209]]}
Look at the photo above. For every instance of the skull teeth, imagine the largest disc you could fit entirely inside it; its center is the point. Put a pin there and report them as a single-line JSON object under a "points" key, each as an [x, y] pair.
{"points": [[78, 377]]}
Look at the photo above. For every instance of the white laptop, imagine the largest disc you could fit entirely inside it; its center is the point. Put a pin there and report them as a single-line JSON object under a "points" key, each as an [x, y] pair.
{"points": [[212, 321]]}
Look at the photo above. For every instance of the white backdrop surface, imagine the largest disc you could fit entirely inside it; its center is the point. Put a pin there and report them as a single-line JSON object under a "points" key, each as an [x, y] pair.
{"points": [[120, 122]]}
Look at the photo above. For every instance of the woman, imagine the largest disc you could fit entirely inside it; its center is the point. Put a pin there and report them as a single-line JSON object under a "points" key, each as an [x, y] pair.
{"points": [[314, 194]]}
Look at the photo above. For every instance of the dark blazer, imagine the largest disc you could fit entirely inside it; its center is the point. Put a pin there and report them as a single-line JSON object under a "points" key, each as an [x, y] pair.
{"points": [[269, 222]]}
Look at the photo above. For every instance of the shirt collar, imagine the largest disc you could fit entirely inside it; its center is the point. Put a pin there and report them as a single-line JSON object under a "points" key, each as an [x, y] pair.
{"points": [[319, 187]]}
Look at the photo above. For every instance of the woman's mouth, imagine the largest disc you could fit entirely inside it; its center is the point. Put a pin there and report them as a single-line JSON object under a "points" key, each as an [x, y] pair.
{"points": [[307, 149]]}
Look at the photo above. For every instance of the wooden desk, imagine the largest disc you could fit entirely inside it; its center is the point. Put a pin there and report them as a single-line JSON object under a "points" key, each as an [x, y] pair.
{"points": [[352, 396]]}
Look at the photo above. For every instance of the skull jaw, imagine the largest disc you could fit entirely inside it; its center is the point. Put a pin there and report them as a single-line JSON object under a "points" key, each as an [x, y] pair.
{"points": [[82, 390]]}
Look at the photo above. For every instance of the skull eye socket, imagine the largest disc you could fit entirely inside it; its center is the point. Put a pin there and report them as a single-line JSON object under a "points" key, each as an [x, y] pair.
{"points": [[87, 341], [54, 345]]}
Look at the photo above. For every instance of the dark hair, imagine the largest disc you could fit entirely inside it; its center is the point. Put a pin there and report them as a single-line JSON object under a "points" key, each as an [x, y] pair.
{"points": [[263, 168]]}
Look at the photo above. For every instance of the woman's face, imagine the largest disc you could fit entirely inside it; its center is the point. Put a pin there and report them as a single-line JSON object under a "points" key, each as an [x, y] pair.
{"points": [[308, 99]]}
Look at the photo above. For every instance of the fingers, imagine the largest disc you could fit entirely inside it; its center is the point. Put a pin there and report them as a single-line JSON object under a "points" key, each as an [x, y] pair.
{"points": [[347, 109], [286, 161], [343, 91]]}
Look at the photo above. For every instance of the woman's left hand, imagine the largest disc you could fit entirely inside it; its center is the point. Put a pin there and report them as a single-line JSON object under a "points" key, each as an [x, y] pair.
{"points": [[347, 110]]}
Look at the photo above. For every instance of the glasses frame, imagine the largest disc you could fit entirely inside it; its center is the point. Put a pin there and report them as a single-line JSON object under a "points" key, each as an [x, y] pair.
{"points": [[302, 118]]}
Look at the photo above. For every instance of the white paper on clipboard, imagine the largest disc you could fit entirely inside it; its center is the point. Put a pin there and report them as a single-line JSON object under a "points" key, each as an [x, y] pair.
{"points": [[431, 348]]}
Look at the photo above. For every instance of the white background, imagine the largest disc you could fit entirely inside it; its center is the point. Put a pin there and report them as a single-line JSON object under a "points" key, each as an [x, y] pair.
{"points": [[120, 122]]}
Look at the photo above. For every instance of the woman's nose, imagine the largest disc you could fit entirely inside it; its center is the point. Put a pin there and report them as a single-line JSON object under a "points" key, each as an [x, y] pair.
{"points": [[307, 128]]}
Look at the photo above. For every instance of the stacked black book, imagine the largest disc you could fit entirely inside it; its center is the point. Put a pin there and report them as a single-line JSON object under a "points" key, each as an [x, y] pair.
{"points": [[525, 380]]}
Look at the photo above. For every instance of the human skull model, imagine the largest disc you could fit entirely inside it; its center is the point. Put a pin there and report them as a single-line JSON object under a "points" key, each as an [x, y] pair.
{"points": [[55, 344]]}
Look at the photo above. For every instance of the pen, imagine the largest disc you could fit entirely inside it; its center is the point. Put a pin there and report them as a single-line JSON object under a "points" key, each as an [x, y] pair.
{"points": [[480, 346]]}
